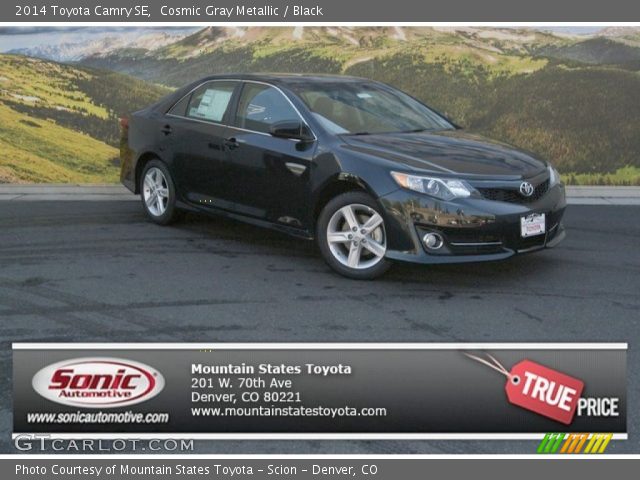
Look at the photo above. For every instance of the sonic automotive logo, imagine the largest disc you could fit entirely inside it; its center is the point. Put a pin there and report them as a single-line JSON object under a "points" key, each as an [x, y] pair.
{"points": [[98, 382]]}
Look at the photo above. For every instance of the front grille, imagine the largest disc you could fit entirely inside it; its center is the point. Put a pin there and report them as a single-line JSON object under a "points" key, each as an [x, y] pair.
{"points": [[512, 195], [476, 249]]}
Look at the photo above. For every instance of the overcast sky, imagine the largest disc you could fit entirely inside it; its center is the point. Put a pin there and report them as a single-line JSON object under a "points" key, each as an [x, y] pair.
{"points": [[25, 37]]}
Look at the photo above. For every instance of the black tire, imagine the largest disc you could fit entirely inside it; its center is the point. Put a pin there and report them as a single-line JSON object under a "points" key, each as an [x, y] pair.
{"points": [[170, 213], [357, 200]]}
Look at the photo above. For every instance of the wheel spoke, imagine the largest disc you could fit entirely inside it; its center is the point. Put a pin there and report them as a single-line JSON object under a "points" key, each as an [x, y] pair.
{"points": [[354, 255], [150, 200], [374, 247], [338, 237], [350, 217], [163, 192], [159, 204], [374, 222], [148, 182]]}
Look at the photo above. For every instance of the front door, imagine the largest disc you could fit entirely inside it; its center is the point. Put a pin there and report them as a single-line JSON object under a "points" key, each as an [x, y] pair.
{"points": [[274, 171]]}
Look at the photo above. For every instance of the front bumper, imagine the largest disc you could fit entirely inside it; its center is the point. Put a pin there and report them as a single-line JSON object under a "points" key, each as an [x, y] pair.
{"points": [[473, 229]]}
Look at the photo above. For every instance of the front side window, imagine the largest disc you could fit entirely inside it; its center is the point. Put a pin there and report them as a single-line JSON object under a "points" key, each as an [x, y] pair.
{"points": [[261, 106], [362, 108], [211, 101]]}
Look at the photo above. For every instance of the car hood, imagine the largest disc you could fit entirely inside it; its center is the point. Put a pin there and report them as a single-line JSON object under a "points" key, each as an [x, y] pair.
{"points": [[448, 152]]}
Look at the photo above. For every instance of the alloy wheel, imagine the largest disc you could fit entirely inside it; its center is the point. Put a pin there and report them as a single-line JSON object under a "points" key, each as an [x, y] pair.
{"points": [[356, 236], [156, 192]]}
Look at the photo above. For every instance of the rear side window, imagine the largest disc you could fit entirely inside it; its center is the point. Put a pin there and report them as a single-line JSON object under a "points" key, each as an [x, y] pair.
{"points": [[261, 106], [210, 101]]}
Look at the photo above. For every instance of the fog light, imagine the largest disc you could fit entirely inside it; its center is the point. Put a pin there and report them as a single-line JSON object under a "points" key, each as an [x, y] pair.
{"points": [[433, 241]]}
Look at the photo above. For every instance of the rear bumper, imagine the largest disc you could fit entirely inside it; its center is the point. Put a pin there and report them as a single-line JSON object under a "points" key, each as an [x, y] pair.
{"points": [[473, 229], [127, 168]]}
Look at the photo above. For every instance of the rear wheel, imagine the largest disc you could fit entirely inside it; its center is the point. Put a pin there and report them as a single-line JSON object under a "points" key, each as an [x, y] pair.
{"points": [[158, 193], [351, 236]]}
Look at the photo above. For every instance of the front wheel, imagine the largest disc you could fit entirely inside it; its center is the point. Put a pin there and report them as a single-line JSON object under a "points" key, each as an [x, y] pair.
{"points": [[351, 236], [158, 193]]}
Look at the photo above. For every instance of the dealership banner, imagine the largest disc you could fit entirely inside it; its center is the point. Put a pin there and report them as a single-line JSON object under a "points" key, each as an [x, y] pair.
{"points": [[377, 391]]}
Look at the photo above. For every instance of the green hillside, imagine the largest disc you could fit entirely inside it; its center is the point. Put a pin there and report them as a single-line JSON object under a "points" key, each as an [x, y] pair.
{"points": [[596, 51], [580, 118], [36, 150], [59, 123]]}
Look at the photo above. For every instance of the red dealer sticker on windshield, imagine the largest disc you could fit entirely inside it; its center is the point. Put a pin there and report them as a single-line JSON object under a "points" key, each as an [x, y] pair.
{"points": [[538, 388]]}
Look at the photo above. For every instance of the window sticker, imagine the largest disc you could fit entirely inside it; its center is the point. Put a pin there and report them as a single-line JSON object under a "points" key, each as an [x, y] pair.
{"points": [[213, 105]]}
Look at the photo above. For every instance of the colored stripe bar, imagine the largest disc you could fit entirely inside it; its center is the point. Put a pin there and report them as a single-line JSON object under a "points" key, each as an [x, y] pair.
{"points": [[573, 443]]}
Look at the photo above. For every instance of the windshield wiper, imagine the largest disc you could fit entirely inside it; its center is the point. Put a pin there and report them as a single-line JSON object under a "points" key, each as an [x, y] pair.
{"points": [[417, 130]]}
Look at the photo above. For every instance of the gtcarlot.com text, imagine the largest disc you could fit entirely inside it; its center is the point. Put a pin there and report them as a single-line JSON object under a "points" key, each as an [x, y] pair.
{"points": [[44, 443]]}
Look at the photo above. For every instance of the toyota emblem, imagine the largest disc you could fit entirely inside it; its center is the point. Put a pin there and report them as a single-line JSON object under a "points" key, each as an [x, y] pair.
{"points": [[526, 189]]}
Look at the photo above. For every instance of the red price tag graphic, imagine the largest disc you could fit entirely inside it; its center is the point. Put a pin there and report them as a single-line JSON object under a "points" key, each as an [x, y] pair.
{"points": [[544, 391], [540, 389]]}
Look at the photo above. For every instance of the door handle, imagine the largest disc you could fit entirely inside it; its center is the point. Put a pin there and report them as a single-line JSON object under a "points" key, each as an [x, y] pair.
{"points": [[166, 129], [231, 143]]}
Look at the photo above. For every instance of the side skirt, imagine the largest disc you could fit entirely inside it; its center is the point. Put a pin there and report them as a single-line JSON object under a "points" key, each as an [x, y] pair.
{"points": [[212, 211]]}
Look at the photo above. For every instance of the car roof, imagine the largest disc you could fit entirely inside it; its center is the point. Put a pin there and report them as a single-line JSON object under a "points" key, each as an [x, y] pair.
{"points": [[287, 78], [277, 79]]}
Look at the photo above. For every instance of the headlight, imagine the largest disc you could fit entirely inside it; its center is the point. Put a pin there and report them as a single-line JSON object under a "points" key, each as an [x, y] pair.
{"points": [[554, 176], [442, 188]]}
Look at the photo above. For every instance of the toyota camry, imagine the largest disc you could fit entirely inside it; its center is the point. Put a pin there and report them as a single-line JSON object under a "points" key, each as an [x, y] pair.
{"points": [[369, 172]]}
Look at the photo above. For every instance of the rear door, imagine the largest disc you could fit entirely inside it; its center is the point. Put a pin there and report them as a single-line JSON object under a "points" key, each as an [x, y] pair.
{"points": [[197, 134]]}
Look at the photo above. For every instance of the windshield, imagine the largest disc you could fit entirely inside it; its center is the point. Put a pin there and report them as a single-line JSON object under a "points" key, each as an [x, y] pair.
{"points": [[365, 108]]}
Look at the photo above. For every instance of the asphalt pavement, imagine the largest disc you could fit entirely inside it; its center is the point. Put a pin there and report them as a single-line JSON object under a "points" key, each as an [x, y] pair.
{"points": [[576, 195], [99, 271]]}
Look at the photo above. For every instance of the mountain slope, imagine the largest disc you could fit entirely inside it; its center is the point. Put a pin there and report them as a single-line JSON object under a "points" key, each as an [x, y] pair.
{"points": [[570, 99], [75, 51], [582, 119], [42, 151], [539, 91], [598, 50], [319, 49], [59, 123]]}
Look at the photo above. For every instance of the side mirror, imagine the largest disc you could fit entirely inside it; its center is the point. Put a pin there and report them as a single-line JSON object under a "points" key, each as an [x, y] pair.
{"points": [[291, 129]]}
